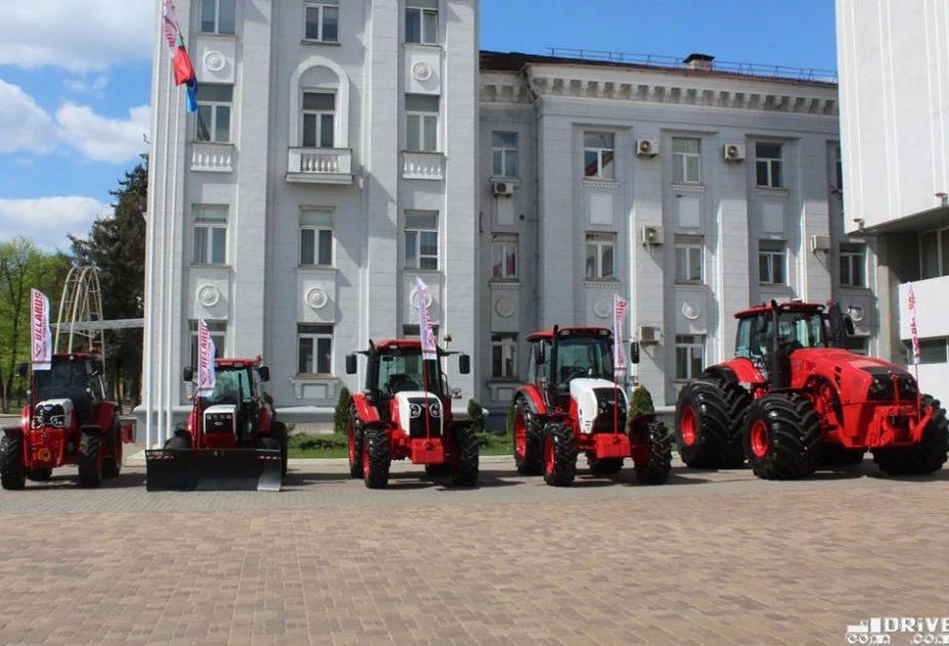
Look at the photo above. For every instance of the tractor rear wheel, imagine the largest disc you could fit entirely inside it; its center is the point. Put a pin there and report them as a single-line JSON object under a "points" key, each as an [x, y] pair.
{"points": [[652, 453], [923, 458], [560, 455], [708, 423], [40, 475], [604, 466], [528, 439], [12, 470], [375, 457], [782, 437], [90, 457], [835, 455], [278, 431], [112, 465], [354, 442], [464, 456]]}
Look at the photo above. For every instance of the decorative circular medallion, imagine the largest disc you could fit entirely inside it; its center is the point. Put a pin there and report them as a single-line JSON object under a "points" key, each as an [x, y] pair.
{"points": [[505, 307], [856, 313], [317, 298], [414, 298], [214, 61], [422, 71], [208, 295], [603, 308], [691, 310]]}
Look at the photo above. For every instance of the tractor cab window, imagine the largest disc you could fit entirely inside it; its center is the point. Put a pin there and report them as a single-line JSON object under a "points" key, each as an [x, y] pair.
{"points": [[743, 341], [538, 370], [795, 330], [403, 372], [67, 379], [583, 357], [230, 387]]}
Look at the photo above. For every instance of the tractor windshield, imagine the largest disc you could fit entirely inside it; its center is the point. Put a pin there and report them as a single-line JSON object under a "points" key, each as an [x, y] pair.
{"points": [[66, 379], [230, 387], [801, 329], [403, 371], [583, 357]]}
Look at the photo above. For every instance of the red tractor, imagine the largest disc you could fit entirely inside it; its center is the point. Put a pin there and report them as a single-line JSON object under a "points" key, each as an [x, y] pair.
{"points": [[404, 412], [572, 405], [67, 421], [232, 439], [794, 398]]}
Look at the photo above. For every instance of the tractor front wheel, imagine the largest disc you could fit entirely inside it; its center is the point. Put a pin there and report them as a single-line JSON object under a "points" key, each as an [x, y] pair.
{"points": [[707, 424], [177, 442], [355, 444], [560, 455], [527, 436], [12, 470], [926, 457], [112, 465], [375, 457], [652, 453], [464, 457], [279, 432], [782, 436], [90, 457]]}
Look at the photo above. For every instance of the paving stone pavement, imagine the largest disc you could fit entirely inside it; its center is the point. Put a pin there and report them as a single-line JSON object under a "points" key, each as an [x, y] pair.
{"points": [[710, 558]]}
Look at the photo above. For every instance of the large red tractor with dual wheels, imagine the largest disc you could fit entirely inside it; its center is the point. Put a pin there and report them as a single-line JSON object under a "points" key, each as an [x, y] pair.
{"points": [[572, 406], [232, 439], [68, 420], [404, 412], [794, 398]]}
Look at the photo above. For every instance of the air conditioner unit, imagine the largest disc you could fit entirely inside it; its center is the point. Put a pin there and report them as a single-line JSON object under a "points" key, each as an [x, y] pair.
{"points": [[652, 236], [647, 147], [820, 243], [503, 188], [734, 152], [649, 334]]}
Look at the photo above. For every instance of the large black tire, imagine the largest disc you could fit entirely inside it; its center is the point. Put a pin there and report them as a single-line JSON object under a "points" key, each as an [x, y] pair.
{"points": [[835, 455], [926, 457], [605, 466], [40, 475], [465, 456], [560, 455], [354, 443], [782, 436], [376, 457], [177, 442], [529, 462], [653, 467], [278, 431], [708, 423], [112, 463], [90, 457], [12, 469]]}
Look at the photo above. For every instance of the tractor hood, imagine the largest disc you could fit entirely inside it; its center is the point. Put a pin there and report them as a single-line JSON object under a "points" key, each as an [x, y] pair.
{"points": [[872, 377], [412, 405], [53, 412], [220, 418], [596, 397]]}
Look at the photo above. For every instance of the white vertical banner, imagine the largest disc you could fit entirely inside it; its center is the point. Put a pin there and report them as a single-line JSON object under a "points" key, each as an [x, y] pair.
{"points": [[911, 305], [41, 346], [429, 349], [206, 352], [620, 309]]}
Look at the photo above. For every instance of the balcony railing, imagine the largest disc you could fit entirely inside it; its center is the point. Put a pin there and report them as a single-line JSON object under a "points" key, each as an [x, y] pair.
{"points": [[212, 157], [418, 165], [320, 165]]}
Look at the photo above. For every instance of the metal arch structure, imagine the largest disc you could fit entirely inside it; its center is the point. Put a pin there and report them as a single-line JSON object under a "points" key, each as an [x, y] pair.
{"points": [[80, 312]]}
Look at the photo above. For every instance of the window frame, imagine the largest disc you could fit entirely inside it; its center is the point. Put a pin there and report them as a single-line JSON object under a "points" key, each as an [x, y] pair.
{"points": [[423, 116], [217, 17], [774, 166], [695, 342], [600, 241], [318, 332], [501, 341], [689, 244], [318, 113], [320, 6], [854, 255], [941, 250], [215, 107], [502, 154], [416, 233], [423, 11], [771, 254], [211, 226], [499, 243], [680, 161], [611, 164]]}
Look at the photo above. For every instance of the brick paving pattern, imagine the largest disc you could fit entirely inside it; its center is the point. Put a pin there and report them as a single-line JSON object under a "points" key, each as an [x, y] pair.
{"points": [[711, 558]]}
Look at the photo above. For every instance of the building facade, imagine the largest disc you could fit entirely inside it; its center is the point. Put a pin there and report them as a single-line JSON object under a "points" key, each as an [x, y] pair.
{"points": [[340, 150], [894, 94]]}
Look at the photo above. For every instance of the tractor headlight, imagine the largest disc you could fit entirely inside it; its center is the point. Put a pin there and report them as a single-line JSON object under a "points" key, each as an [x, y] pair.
{"points": [[881, 388], [435, 409], [58, 421], [415, 410]]}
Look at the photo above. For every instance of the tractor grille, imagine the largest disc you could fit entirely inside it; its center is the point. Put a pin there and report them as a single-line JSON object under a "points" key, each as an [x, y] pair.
{"points": [[417, 417], [49, 415], [887, 383], [219, 423], [607, 400]]}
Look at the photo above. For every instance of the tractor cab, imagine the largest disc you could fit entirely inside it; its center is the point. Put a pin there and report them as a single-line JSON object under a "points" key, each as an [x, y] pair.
{"points": [[74, 378], [561, 355]]}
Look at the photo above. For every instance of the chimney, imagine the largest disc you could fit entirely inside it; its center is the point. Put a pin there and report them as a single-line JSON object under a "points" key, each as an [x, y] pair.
{"points": [[699, 62]]}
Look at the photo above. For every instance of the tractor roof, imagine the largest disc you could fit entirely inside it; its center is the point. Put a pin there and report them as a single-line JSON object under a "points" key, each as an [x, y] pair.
{"points": [[787, 306], [569, 331], [389, 345], [224, 362]]}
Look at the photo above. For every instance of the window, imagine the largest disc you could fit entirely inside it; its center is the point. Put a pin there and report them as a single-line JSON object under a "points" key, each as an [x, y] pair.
{"points": [[421, 240], [600, 255], [690, 356], [421, 122], [218, 330], [504, 257], [689, 251], [934, 253], [598, 154], [319, 111], [930, 351], [421, 22], [772, 262], [315, 349], [322, 21], [859, 344], [685, 161], [410, 331], [853, 265], [218, 16], [504, 154], [504, 356], [316, 237], [210, 235], [768, 164], [214, 113]]}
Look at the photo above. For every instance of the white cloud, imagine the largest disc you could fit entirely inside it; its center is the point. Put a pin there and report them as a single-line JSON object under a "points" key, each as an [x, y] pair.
{"points": [[47, 220], [24, 126], [83, 85], [76, 34]]}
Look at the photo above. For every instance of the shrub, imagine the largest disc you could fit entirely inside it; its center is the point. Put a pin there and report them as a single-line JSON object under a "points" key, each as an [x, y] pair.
{"points": [[476, 415], [641, 402], [341, 416]]}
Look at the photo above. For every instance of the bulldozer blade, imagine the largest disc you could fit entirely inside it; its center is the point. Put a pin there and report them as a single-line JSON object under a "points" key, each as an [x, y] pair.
{"points": [[213, 470]]}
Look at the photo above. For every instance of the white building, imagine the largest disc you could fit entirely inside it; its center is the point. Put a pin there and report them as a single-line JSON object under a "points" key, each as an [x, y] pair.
{"points": [[341, 149], [894, 94]]}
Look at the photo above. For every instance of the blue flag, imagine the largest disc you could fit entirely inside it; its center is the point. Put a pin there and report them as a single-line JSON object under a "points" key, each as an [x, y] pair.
{"points": [[192, 98]]}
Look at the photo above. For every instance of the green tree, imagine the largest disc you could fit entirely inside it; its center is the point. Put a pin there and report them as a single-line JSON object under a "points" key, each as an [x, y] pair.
{"points": [[116, 246]]}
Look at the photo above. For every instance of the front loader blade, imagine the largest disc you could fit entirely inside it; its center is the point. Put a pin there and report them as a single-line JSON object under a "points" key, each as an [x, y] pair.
{"points": [[213, 470]]}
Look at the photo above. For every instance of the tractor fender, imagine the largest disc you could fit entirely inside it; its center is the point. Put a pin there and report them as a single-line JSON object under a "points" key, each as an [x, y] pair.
{"points": [[737, 371], [365, 411], [104, 413], [533, 397]]}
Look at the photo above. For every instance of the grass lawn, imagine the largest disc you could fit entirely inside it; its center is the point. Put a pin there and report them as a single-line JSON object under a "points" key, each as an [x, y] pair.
{"points": [[335, 445]]}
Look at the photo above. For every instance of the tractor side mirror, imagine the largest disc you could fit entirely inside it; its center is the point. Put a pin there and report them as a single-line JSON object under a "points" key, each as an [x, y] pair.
{"points": [[264, 372], [464, 364], [350, 364], [634, 352], [21, 369], [187, 374]]}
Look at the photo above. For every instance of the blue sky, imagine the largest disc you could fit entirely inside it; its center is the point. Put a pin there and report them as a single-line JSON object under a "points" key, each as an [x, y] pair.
{"points": [[75, 84]]}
